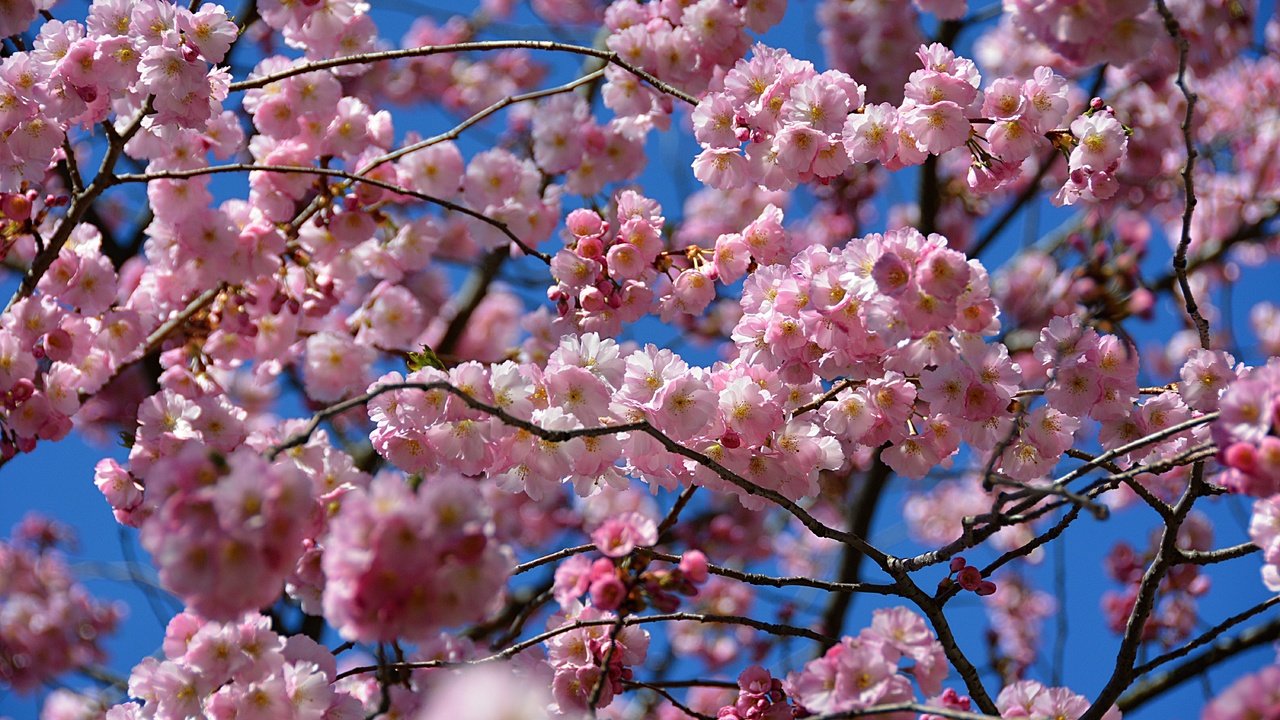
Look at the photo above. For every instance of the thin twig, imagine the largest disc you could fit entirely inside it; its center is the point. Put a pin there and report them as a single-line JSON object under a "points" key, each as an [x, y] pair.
{"points": [[1199, 663], [332, 172], [361, 59], [809, 521], [1188, 181]]}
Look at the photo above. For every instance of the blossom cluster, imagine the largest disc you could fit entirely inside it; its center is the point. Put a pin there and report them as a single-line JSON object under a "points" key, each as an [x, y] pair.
{"points": [[895, 320], [1033, 701], [1069, 29], [1017, 613], [49, 623], [605, 275], [873, 41], [236, 669], [1254, 695], [458, 82], [593, 657], [488, 691], [863, 671], [62, 345], [800, 125], [124, 55], [404, 564], [618, 583], [210, 506], [1246, 433], [683, 43]]}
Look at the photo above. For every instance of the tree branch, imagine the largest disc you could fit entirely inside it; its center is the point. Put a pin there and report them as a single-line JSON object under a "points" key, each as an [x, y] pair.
{"points": [[384, 56]]}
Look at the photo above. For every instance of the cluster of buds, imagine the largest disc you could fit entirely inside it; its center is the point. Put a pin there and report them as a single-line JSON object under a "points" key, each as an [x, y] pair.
{"points": [[628, 586], [968, 577]]}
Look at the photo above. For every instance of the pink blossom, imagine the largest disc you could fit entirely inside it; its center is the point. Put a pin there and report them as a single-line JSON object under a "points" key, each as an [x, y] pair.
{"points": [[619, 535]]}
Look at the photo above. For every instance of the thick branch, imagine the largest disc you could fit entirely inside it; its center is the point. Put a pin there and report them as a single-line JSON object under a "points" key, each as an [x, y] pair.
{"points": [[862, 509]]}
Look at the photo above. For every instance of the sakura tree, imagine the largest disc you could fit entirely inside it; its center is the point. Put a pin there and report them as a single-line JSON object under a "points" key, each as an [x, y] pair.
{"points": [[620, 361]]}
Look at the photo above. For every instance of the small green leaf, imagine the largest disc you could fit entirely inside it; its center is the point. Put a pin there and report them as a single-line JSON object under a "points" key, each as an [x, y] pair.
{"points": [[425, 359]]}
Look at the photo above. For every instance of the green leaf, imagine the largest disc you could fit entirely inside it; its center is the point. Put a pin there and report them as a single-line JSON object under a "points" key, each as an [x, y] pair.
{"points": [[425, 359]]}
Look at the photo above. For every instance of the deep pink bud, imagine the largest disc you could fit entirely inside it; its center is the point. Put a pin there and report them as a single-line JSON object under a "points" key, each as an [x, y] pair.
{"points": [[694, 565], [1242, 457], [602, 567], [986, 587], [969, 577], [607, 593], [1142, 302], [22, 391], [957, 563], [57, 345]]}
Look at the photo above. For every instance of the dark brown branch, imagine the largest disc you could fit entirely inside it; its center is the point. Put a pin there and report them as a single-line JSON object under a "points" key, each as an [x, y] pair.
{"points": [[606, 55], [906, 707], [974, 535], [1199, 663], [861, 511], [711, 619], [782, 582], [80, 204], [635, 684], [552, 557], [1144, 603], [811, 523], [1212, 557], [470, 297], [1188, 182], [331, 172]]}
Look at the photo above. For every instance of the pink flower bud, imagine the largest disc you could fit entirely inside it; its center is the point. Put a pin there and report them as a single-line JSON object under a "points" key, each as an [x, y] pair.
{"points": [[694, 565], [1142, 302], [986, 587], [969, 577], [1242, 457], [22, 391], [602, 567], [957, 564], [607, 593], [57, 345]]}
